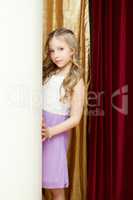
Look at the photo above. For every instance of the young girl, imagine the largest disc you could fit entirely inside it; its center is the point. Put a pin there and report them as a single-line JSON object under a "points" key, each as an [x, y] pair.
{"points": [[63, 100]]}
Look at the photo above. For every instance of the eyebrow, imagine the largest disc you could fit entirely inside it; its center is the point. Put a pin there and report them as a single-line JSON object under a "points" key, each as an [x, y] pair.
{"points": [[50, 49], [56, 48]]}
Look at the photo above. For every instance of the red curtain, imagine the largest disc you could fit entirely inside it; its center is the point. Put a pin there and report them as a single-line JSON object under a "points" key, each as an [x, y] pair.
{"points": [[107, 101]]}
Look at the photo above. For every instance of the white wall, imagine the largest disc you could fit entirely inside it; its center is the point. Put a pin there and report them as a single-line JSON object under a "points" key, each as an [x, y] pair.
{"points": [[20, 99]]}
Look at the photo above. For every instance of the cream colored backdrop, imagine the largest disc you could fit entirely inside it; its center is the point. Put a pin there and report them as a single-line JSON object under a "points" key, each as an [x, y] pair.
{"points": [[73, 14]]}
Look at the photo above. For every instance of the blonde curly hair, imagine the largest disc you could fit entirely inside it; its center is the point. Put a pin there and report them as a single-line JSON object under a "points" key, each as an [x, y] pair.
{"points": [[50, 68]]}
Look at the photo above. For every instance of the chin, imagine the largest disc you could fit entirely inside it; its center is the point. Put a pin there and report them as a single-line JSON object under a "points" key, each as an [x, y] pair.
{"points": [[60, 66]]}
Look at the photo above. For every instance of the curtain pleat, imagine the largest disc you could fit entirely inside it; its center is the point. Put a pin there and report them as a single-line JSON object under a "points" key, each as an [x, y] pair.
{"points": [[59, 13], [108, 124], [49, 13]]}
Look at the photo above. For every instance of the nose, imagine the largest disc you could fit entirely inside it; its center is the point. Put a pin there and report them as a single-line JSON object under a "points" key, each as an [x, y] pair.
{"points": [[56, 55]]}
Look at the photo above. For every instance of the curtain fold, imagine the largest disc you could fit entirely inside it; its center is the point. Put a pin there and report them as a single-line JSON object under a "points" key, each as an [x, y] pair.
{"points": [[74, 15], [108, 124]]}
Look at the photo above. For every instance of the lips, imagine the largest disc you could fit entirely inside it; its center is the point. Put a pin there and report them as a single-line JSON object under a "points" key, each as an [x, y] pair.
{"points": [[57, 61]]}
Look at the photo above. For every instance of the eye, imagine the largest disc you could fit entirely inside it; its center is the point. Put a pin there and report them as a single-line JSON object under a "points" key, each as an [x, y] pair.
{"points": [[61, 48], [51, 50]]}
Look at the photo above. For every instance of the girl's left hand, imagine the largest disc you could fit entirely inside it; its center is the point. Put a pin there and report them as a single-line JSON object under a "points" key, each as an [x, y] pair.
{"points": [[43, 130], [46, 133]]}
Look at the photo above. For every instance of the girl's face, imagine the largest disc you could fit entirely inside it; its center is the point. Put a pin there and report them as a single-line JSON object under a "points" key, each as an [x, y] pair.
{"points": [[59, 51]]}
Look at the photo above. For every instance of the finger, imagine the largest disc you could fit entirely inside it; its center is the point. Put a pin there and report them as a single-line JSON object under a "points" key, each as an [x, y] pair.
{"points": [[43, 125], [43, 139], [43, 133], [43, 129], [43, 120]]}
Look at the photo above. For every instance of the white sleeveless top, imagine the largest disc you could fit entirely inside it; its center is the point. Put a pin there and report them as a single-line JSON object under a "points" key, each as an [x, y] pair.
{"points": [[51, 96]]}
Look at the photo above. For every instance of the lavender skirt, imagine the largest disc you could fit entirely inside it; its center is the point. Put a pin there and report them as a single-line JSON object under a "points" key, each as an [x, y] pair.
{"points": [[54, 155]]}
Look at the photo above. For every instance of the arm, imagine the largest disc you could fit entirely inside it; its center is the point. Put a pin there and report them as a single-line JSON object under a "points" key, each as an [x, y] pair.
{"points": [[77, 104]]}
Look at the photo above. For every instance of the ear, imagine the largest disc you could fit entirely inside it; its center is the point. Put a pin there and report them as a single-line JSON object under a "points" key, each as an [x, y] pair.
{"points": [[72, 51]]}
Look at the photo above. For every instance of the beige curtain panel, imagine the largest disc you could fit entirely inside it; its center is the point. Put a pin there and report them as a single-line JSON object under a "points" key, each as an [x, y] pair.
{"points": [[73, 14]]}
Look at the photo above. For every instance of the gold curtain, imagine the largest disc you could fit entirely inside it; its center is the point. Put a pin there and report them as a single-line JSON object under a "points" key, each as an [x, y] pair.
{"points": [[73, 14]]}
